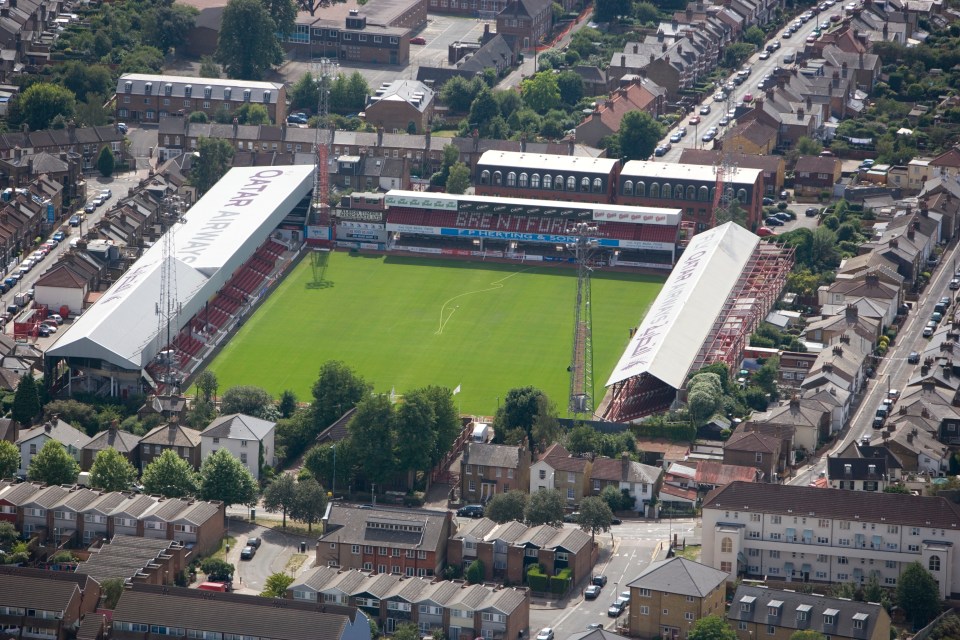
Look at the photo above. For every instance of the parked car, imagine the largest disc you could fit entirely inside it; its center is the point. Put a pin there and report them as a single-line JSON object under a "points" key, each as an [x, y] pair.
{"points": [[615, 609], [768, 202], [122, 127], [247, 553], [50, 326], [254, 542], [782, 216], [694, 120], [929, 329], [599, 579], [594, 625], [676, 137], [75, 220], [470, 511], [913, 358], [763, 232], [705, 110], [748, 97], [43, 331], [418, 40], [708, 136], [811, 212], [784, 195], [724, 121], [55, 317], [773, 222], [59, 236], [764, 55], [545, 634], [591, 592]]}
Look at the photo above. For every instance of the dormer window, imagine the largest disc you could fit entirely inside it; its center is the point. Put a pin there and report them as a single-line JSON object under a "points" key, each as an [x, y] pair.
{"points": [[148, 88], [227, 93], [188, 91], [128, 87], [168, 89], [246, 95], [207, 92], [266, 97]]}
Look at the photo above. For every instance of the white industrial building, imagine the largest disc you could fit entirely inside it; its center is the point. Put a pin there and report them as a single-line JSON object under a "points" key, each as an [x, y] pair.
{"points": [[108, 348]]}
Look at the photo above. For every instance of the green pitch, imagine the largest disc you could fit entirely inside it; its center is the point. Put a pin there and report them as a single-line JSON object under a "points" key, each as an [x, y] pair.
{"points": [[403, 323]]}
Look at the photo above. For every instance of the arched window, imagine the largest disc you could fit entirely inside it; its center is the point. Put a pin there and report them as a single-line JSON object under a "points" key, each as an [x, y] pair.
{"points": [[654, 190], [934, 564], [666, 190], [535, 181], [572, 183], [585, 184], [558, 183], [485, 177], [523, 180], [726, 545], [511, 179], [497, 178], [678, 192], [641, 188], [628, 188], [713, 193], [704, 194], [547, 180], [691, 193], [597, 185], [742, 196]]}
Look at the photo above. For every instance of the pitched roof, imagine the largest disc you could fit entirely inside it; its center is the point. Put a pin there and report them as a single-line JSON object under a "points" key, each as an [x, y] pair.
{"points": [[122, 441], [865, 506], [860, 462], [743, 440], [717, 473], [57, 430], [846, 612], [401, 528], [232, 613], [493, 455], [615, 469], [172, 434], [753, 130], [33, 590], [558, 458], [239, 427], [680, 576]]}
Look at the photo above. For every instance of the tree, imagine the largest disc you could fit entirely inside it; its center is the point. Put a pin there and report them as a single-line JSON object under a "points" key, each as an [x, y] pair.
{"points": [[246, 399], [106, 162], [704, 396], [595, 515], [112, 589], [711, 628], [225, 478], [284, 14], [305, 93], [276, 585], [170, 476], [217, 569], [53, 465], [639, 135], [458, 179], [736, 54], [413, 442], [111, 471], [918, 593], [645, 12], [474, 573], [281, 495], [545, 507], [209, 67], [546, 427], [310, 6], [142, 59], [407, 631], [607, 10], [91, 113], [8, 534], [483, 110], [755, 36], [310, 502], [372, 439], [26, 401], [9, 459], [616, 499], [337, 390], [458, 93], [166, 27], [40, 103], [808, 146], [521, 409], [85, 80], [331, 464], [287, 404], [570, 85], [254, 114], [248, 44], [213, 161], [582, 439], [541, 92], [206, 384], [506, 507]]}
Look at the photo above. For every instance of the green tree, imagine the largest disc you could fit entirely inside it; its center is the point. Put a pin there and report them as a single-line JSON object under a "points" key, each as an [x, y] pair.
{"points": [[111, 471], [8, 534], [897, 488], [541, 92], [357, 90], [284, 14], [606, 10], [755, 36], [9, 459], [215, 156], [808, 146], [546, 428], [246, 399], [206, 385], [645, 12], [736, 54], [483, 110], [91, 113], [281, 495], [217, 570], [458, 93], [209, 67], [276, 585], [248, 44], [85, 80], [253, 114], [337, 390], [112, 590], [170, 476], [639, 135], [53, 465], [570, 85], [167, 26], [545, 507], [918, 594], [595, 515], [305, 93], [582, 439], [506, 507], [704, 396], [614, 498], [142, 59], [26, 401], [225, 478], [40, 103], [521, 409], [407, 631], [106, 162], [711, 628], [458, 180], [287, 404], [413, 443], [310, 502], [371, 434], [474, 573], [325, 460]]}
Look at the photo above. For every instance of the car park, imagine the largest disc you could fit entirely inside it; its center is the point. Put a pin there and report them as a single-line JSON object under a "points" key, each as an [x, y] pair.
{"points": [[247, 553], [763, 232], [55, 317], [773, 222], [591, 592], [470, 511]]}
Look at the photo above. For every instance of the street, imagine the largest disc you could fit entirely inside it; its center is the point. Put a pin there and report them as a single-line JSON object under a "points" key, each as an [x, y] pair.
{"points": [[894, 371], [633, 547], [760, 68]]}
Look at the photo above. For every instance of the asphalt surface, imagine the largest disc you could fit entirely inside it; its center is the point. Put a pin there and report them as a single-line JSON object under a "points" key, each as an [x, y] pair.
{"points": [[273, 556], [894, 371]]}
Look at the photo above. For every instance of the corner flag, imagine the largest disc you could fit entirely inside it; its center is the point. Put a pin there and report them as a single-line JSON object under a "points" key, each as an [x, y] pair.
{"points": [[457, 390]]}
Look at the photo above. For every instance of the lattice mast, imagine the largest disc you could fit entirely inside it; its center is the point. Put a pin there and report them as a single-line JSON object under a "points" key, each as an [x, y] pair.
{"points": [[581, 359], [726, 169], [167, 308], [321, 179]]}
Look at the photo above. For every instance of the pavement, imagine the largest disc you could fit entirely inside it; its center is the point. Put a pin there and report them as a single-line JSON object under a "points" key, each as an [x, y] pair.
{"points": [[278, 553]]}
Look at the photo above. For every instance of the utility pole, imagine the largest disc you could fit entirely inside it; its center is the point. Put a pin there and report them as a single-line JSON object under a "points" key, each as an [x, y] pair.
{"points": [[584, 246]]}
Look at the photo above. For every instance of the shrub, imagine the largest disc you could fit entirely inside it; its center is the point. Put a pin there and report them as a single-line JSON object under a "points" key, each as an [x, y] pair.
{"points": [[537, 579], [561, 582], [474, 573]]}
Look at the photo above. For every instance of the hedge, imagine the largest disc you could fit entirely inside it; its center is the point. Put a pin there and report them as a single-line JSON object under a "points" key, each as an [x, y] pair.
{"points": [[561, 582], [537, 580]]}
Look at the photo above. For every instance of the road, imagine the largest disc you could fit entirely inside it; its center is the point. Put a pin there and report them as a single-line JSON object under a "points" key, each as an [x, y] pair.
{"points": [[894, 371], [528, 67], [277, 554], [760, 68], [635, 542]]}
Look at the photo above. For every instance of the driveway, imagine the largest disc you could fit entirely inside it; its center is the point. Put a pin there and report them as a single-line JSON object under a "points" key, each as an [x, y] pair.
{"points": [[276, 554]]}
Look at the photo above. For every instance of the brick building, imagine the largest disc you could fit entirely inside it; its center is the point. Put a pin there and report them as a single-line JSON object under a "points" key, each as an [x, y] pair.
{"points": [[184, 441], [489, 469], [45, 604], [400, 106], [671, 594], [550, 177], [529, 21]]}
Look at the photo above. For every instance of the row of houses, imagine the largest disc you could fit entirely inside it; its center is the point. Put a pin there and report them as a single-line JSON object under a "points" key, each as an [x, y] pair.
{"points": [[249, 439], [60, 515]]}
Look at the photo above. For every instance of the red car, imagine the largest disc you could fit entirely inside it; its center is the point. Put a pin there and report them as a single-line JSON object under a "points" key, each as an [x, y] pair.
{"points": [[763, 232], [418, 40], [748, 97], [694, 120]]}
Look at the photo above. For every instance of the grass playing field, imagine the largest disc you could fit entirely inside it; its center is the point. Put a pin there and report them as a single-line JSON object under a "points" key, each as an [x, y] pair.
{"points": [[407, 322]]}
